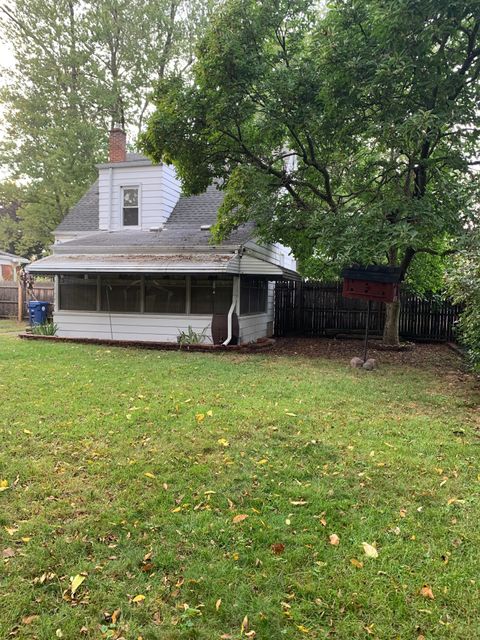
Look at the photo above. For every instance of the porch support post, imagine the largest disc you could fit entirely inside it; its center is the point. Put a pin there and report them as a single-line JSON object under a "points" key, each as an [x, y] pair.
{"points": [[20, 300]]}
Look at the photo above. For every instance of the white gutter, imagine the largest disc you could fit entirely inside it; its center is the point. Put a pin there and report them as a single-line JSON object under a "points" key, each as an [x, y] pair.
{"points": [[235, 292]]}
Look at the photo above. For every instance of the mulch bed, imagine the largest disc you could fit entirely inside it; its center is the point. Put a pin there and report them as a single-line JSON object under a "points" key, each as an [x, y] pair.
{"points": [[260, 345], [426, 356], [422, 355]]}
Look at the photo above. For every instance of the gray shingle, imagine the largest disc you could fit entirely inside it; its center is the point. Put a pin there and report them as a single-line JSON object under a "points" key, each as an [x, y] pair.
{"points": [[182, 229], [84, 215]]}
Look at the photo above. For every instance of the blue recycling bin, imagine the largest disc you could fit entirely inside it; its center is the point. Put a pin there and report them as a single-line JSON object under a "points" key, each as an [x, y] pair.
{"points": [[37, 311]]}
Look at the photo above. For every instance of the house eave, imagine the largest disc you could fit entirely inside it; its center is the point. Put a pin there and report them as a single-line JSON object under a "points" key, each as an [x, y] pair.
{"points": [[127, 163]]}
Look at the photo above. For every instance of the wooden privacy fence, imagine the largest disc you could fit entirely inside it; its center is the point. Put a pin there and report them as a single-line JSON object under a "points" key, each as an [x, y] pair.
{"points": [[11, 293], [316, 309]]}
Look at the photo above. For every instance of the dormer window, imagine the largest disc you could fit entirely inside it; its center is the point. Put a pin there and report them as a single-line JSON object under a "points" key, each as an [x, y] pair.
{"points": [[130, 207]]}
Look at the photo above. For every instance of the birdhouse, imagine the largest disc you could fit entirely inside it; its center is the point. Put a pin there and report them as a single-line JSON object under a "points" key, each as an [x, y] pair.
{"points": [[375, 282]]}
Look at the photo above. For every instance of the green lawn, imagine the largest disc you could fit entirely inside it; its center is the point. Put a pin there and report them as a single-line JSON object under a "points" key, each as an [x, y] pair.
{"points": [[128, 467]]}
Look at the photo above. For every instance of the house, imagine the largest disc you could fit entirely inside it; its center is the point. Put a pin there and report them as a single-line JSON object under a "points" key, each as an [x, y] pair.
{"points": [[9, 265], [134, 260]]}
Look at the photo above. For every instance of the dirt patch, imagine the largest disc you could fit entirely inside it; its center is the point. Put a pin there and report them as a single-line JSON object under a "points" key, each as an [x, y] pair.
{"points": [[425, 356]]}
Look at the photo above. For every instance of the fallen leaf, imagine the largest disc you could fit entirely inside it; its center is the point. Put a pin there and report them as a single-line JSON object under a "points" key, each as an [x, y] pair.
{"points": [[239, 518], [302, 629], [323, 522], [262, 461], [3, 485], [29, 619], [59, 633], [292, 415], [403, 513], [139, 598], [8, 553], [334, 539], [199, 417], [427, 592], [76, 582], [370, 551], [223, 442], [149, 475], [298, 503], [218, 604], [244, 625], [11, 530], [210, 413], [356, 563], [116, 615], [278, 548]]}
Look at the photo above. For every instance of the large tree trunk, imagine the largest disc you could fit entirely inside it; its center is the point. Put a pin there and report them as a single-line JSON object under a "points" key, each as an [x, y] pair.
{"points": [[391, 337]]}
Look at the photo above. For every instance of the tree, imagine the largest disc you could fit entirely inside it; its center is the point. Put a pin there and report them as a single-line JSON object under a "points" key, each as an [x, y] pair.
{"points": [[347, 133], [10, 199], [464, 285], [81, 67]]}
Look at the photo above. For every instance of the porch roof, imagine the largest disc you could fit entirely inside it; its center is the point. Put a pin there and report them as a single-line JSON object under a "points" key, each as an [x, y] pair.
{"points": [[227, 263]]}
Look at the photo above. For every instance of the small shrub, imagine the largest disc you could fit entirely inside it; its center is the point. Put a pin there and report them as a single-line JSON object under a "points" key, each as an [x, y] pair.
{"points": [[189, 337], [45, 329], [464, 285]]}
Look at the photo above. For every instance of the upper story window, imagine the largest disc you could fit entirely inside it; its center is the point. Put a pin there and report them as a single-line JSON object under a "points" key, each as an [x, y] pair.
{"points": [[130, 207]]}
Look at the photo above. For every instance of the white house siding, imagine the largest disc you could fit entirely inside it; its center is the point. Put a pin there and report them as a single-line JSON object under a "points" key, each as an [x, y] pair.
{"points": [[274, 253], [147, 327], [258, 325], [159, 192], [151, 327]]}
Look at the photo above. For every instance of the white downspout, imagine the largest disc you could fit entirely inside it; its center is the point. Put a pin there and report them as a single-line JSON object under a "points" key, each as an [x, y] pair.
{"points": [[110, 198], [235, 296]]}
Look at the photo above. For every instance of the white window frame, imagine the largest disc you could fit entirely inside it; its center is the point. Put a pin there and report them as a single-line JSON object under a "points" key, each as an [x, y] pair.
{"points": [[139, 189]]}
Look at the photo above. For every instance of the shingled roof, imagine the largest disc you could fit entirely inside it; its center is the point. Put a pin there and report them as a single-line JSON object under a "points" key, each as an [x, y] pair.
{"points": [[84, 215], [182, 229]]}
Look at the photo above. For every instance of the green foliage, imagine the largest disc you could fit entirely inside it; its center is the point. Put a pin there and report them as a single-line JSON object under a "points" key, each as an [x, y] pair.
{"points": [[344, 133], [464, 285], [45, 329], [190, 336], [80, 68]]}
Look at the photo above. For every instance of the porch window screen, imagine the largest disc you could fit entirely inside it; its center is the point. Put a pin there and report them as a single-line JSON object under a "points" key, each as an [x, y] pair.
{"points": [[253, 296], [121, 293], [165, 294], [130, 206], [78, 293], [210, 295]]}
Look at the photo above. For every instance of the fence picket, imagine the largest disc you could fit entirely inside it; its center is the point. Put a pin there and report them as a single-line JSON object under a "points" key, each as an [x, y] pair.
{"points": [[317, 309], [9, 297]]}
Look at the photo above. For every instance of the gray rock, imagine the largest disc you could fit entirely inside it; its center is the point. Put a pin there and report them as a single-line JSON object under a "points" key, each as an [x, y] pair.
{"points": [[356, 363]]}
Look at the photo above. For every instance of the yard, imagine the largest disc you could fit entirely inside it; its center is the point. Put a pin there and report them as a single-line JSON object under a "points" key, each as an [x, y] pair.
{"points": [[148, 494]]}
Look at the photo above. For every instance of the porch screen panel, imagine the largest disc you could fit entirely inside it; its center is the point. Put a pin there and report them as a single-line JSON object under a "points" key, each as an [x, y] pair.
{"points": [[77, 293], [253, 295], [121, 294], [165, 294], [210, 295]]}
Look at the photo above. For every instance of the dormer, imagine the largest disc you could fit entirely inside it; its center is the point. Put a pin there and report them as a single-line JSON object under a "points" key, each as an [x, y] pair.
{"points": [[134, 194]]}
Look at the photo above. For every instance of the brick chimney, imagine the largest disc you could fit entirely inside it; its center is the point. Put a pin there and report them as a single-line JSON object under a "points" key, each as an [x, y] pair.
{"points": [[117, 145]]}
